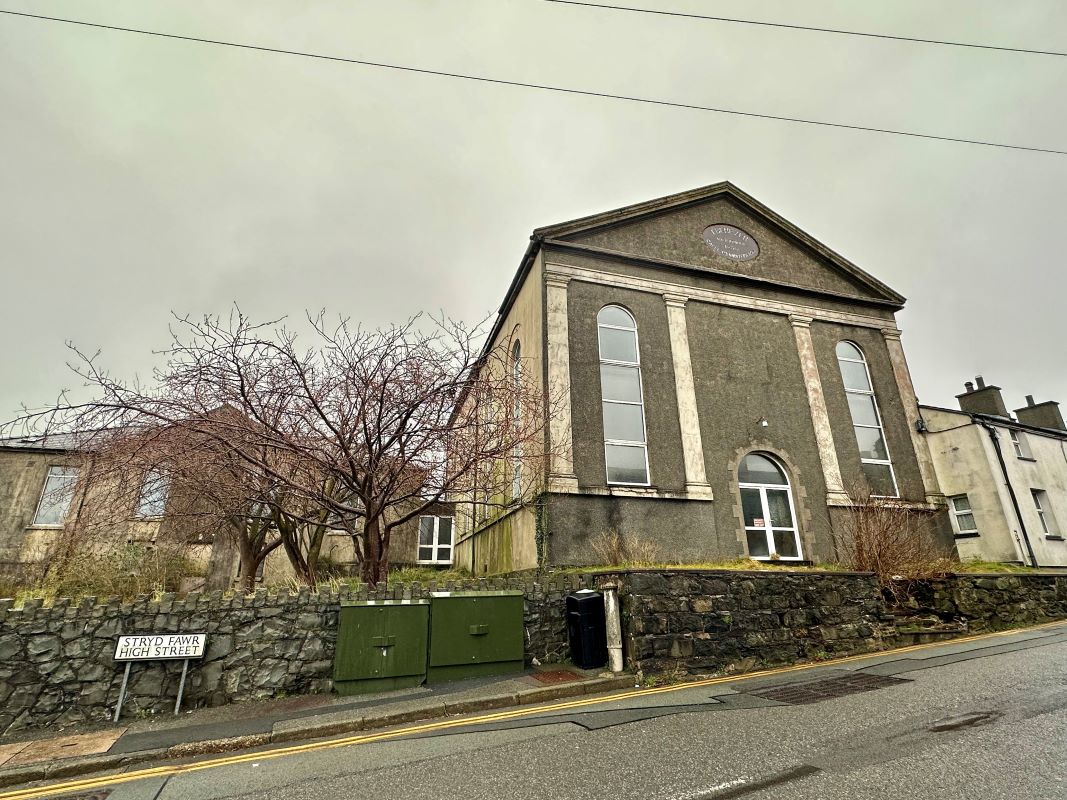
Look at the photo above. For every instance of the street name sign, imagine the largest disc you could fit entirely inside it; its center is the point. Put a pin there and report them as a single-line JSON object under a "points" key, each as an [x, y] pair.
{"points": [[158, 647], [161, 646]]}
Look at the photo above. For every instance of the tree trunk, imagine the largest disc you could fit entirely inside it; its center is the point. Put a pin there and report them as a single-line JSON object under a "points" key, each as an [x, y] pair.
{"points": [[249, 565], [372, 553]]}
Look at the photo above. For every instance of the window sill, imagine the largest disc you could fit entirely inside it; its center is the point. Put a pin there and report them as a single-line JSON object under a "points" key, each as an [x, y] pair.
{"points": [[650, 492], [967, 535], [1026, 458], [1053, 537], [45, 527]]}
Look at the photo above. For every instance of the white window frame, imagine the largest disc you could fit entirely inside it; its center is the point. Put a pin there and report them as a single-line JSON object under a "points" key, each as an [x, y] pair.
{"points": [[635, 365], [436, 542], [880, 427], [767, 529], [957, 513], [1044, 512], [147, 481], [1021, 444], [59, 471]]}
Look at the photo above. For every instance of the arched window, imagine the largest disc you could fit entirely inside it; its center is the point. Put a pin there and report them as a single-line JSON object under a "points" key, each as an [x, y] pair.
{"points": [[866, 420], [516, 453], [625, 449], [767, 507]]}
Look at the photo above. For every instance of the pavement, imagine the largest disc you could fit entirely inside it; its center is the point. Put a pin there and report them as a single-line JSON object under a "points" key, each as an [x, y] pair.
{"points": [[980, 717], [245, 725]]}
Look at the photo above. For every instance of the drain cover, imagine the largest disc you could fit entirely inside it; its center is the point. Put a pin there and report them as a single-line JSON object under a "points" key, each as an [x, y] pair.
{"points": [[100, 794], [816, 691], [556, 676]]}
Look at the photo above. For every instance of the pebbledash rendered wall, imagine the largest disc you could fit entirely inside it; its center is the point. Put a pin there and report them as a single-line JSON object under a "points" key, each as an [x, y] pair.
{"points": [[56, 664]]}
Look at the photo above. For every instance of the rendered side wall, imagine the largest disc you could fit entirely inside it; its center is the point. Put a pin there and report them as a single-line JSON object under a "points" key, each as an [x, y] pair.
{"points": [[506, 541]]}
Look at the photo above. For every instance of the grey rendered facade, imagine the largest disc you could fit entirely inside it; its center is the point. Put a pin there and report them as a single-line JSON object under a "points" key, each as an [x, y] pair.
{"points": [[737, 355]]}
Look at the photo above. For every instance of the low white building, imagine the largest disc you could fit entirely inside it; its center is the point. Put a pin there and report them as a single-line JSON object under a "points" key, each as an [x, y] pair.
{"points": [[1005, 476]]}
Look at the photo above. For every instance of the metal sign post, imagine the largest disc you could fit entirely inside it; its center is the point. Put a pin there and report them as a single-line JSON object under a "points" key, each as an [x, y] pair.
{"points": [[158, 647]]}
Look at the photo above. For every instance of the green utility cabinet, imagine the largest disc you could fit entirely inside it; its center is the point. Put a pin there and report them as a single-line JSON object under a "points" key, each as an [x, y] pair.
{"points": [[381, 645], [474, 634]]}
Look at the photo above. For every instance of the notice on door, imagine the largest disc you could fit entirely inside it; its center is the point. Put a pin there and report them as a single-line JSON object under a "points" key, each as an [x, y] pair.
{"points": [[160, 646]]}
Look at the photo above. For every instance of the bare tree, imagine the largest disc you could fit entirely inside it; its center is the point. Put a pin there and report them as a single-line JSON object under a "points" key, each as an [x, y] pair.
{"points": [[361, 431]]}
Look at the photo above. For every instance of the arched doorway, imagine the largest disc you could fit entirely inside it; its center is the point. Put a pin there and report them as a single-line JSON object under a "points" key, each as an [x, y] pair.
{"points": [[768, 510]]}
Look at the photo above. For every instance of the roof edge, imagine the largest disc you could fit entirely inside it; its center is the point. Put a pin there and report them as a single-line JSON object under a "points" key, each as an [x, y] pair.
{"points": [[722, 188]]}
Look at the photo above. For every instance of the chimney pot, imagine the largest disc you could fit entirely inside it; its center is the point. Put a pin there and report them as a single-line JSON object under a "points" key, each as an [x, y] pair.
{"points": [[983, 399], [1029, 399], [968, 386]]}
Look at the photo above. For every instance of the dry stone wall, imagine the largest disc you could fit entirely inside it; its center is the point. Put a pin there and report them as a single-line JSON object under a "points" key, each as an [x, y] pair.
{"points": [[56, 664], [721, 620], [990, 602]]}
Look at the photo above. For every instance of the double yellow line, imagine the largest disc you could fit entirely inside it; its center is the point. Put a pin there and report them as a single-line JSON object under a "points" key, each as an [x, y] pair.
{"points": [[98, 782]]}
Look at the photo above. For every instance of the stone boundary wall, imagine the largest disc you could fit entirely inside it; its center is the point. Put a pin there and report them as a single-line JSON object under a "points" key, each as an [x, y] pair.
{"points": [[729, 620], [56, 664], [993, 601]]}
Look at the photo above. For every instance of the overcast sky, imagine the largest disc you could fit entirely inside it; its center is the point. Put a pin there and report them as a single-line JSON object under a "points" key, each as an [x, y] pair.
{"points": [[142, 176]]}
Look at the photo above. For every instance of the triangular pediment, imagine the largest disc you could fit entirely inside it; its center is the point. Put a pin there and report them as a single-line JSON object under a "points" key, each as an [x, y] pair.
{"points": [[722, 230]]}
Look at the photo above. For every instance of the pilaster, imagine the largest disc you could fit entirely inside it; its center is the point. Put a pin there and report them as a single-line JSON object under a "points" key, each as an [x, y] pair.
{"points": [[696, 480], [561, 477], [911, 413], [820, 418]]}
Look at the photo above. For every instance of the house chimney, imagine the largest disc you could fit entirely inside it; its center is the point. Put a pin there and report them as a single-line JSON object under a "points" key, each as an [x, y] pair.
{"points": [[1041, 415], [982, 400], [968, 386]]}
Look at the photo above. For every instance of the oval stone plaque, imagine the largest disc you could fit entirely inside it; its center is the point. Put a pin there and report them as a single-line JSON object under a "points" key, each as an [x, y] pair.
{"points": [[731, 242]]}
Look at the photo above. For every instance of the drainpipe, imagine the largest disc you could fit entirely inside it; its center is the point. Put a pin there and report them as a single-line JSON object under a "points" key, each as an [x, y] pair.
{"points": [[992, 431], [612, 624]]}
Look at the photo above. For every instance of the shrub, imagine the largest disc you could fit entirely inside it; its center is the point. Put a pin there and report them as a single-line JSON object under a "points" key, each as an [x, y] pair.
{"points": [[896, 543], [127, 571]]}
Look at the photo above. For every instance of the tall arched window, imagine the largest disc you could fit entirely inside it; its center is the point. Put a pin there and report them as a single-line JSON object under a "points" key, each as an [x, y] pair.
{"points": [[866, 420], [767, 507], [625, 448], [516, 453]]}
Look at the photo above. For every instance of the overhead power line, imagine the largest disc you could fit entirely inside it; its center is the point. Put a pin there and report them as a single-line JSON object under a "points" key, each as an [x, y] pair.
{"points": [[811, 28], [541, 86]]}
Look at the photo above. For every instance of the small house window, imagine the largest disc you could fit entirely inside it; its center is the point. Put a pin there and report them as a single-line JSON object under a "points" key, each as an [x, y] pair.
{"points": [[866, 421], [625, 445], [435, 540], [963, 514], [56, 497], [152, 501], [1044, 512], [1020, 443]]}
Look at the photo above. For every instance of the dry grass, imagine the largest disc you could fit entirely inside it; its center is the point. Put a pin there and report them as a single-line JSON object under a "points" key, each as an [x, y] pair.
{"points": [[127, 571], [612, 547]]}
